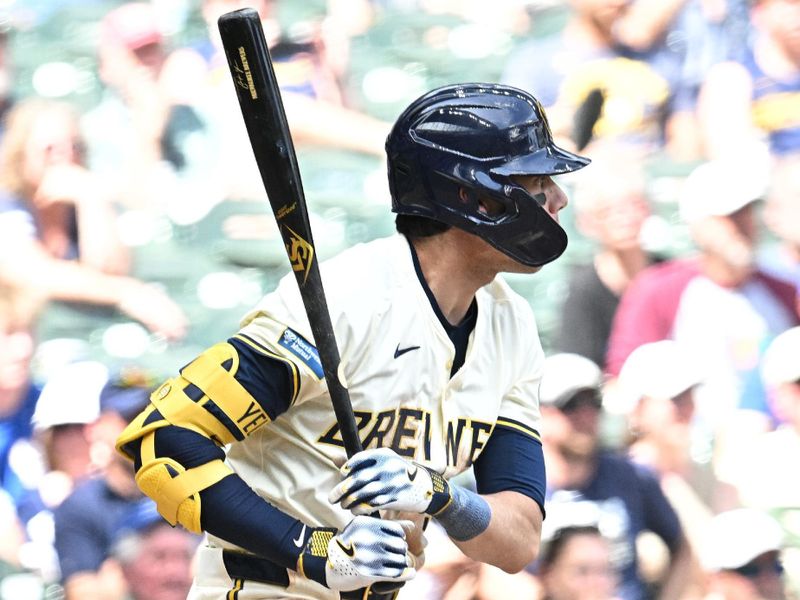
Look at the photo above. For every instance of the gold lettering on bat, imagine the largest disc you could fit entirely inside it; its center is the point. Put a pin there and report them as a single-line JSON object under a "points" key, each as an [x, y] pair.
{"points": [[248, 75], [301, 253], [285, 210], [238, 75]]}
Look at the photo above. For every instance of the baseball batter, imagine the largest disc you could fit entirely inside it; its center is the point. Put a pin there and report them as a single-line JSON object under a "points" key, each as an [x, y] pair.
{"points": [[442, 360]]}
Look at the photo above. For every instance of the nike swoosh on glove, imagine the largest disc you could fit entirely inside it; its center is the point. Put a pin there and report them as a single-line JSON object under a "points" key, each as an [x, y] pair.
{"points": [[381, 479], [366, 551]]}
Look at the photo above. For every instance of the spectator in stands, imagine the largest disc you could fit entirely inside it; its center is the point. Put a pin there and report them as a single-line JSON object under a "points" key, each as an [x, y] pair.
{"points": [[6, 71], [144, 131], [588, 485], [646, 101], [154, 557], [57, 225], [18, 392], [85, 522], [781, 215], [317, 112], [741, 554], [12, 536], [656, 387], [655, 390], [69, 402], [576, 564], [742, 102], [18, 395], [66, 408], [718, 305], [610, 209], [761, 474]]}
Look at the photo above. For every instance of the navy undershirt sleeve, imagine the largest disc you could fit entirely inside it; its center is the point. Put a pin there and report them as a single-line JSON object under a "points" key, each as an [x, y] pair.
{"points": [[512, 460], [266, 378], [234, 512]]}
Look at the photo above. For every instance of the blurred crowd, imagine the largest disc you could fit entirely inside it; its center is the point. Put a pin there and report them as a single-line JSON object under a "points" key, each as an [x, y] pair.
{"points": [[134, 232]]}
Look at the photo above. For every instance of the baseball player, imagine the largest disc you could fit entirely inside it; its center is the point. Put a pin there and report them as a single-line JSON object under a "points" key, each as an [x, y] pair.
{"points": [[442, 360]]}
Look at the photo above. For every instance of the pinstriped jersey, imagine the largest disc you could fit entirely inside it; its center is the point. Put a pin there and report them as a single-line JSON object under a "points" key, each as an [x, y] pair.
{"points": [[396, 363]]}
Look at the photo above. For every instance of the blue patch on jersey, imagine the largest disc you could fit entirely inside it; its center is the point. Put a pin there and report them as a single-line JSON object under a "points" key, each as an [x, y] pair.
{"points": [[302, 349]]}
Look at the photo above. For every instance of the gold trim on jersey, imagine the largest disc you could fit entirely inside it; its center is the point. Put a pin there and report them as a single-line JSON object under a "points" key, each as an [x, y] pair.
{"points": [[510, 423], [233, 594]]}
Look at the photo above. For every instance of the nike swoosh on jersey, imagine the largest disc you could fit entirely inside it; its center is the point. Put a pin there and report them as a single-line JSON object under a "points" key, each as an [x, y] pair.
{"points": [[299, 541], [412, 475], [400, 351], [350, 550]]}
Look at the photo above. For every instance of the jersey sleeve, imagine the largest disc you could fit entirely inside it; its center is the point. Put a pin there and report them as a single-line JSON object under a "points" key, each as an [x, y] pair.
{"points": [[279, 325], [513, 458], [519, 407]]}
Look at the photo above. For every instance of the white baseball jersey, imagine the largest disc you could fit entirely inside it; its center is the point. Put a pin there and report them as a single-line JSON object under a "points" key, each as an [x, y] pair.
{"points": [[396, 363]]}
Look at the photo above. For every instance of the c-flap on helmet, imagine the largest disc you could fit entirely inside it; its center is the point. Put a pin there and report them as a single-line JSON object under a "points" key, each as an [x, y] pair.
{"points": [[478, 136]]}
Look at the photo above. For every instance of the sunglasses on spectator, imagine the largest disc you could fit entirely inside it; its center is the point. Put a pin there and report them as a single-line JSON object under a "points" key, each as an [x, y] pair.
{"points": [[581, 400], [755, 569]]}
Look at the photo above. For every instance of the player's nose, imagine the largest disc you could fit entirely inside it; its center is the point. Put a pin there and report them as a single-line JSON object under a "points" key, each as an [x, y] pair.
{"points": [[556, 199]]}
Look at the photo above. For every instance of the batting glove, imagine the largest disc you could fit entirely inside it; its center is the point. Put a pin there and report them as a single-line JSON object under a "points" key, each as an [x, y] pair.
{"points": [[381, 479], [366, 551]]}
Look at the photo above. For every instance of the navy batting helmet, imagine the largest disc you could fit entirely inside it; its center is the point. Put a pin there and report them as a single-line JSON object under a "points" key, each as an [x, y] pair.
{"points": [[478, 136]]}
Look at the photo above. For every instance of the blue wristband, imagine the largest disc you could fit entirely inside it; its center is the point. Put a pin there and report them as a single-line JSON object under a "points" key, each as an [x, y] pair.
{"points": [[466, 516]]}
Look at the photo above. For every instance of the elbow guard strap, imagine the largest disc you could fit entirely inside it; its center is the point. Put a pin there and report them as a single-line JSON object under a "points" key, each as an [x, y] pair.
{"points": [[241, 413], [175, 489]]}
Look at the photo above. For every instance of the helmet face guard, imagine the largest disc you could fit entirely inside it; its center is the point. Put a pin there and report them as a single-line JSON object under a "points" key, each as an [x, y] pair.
{"points": [[477, 137]]}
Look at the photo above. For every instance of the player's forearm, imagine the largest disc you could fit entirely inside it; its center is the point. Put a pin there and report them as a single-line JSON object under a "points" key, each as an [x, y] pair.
{"points": [[511, 540], [230, 509]]}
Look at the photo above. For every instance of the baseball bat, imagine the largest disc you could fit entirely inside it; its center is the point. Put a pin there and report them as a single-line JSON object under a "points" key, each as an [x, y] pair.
{"points": [[253, 76]]}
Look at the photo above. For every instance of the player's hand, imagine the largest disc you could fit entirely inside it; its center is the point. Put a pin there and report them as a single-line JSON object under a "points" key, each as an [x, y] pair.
{"points": [[366, 551], [380, 479]]}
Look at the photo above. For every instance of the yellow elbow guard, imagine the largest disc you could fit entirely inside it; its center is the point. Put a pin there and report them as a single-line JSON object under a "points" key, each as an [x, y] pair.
{"points": [[235, 414], [219, 386], [176, 489]]}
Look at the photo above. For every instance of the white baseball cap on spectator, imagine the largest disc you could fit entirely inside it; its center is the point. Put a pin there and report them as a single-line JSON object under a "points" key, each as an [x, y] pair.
{"points": [[720, 188], [781, 362], [656, 370], [736, 537], [71, 395], [566, 374]]}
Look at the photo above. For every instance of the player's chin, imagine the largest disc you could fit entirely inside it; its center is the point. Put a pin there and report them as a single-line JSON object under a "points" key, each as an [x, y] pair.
{"points": [[517, 267]]}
